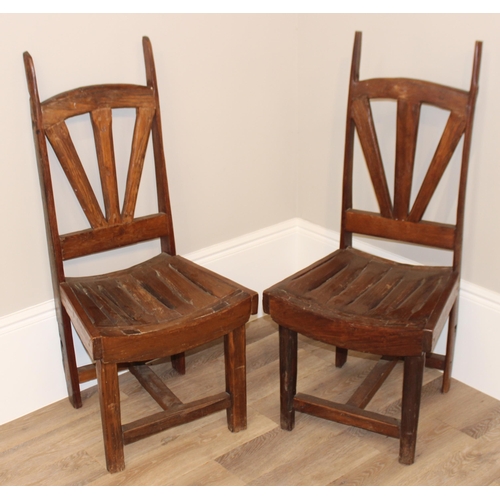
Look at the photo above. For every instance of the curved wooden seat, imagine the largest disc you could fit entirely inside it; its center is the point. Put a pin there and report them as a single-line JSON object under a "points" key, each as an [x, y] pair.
{"points": [[344, 297], [129, 314]]}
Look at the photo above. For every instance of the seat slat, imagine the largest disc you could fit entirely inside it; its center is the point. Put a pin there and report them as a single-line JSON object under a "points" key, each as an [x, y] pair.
{"points": [[108, 298], [154, 310], [98, 310], [205, 279], [151, 280], [368, 290], [319, 274], [336, 284], [186, 289]]}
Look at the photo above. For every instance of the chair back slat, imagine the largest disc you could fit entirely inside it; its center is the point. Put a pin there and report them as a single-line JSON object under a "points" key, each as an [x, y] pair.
{"points": [[139, 143], [102, 126], [449, 141], [408, 118], [60, 140], [363, 119]]}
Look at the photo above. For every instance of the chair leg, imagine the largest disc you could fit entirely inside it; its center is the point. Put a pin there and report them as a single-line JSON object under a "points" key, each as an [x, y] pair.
{"points": [[340, 357], [69, 358], [109, 398], [288, 376], [450, 348], [412, 390], [236, 385], [179, 363]]}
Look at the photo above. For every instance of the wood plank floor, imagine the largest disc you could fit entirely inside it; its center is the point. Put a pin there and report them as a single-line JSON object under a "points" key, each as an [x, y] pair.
{"points": [[459, 433]]}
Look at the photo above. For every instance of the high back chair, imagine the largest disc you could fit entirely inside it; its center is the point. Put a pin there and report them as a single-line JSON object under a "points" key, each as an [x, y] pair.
{"points": [[159, 308], [354, 300]]}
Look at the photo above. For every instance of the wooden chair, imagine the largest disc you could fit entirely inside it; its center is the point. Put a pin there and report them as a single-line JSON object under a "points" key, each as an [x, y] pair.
{"points": [[156, 309], [354, 300]]}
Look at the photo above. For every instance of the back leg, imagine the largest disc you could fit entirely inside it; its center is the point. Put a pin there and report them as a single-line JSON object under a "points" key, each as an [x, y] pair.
{"points": [[450, 348]]}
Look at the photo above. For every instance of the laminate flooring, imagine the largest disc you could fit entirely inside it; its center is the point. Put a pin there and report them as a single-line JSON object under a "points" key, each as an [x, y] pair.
{"points": [[458, 442]]}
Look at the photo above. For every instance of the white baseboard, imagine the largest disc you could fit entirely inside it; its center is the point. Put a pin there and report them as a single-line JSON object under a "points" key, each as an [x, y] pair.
{"points": [[32, 377], [31, 372]]}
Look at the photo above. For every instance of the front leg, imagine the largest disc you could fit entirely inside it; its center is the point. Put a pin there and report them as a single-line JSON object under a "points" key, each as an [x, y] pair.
{"points": [[236, 378], [288, 376]]}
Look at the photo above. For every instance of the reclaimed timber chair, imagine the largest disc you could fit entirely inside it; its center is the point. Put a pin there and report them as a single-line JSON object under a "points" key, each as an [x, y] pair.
{"points": [[159, 308], [354, 300]]}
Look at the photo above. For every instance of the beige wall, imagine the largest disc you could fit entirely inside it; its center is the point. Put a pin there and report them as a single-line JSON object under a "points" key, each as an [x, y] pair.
{"points": [[253, 113]]}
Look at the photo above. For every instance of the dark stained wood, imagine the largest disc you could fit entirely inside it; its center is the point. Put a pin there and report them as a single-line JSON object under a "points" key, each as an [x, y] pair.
{"points": [[64, 148], [155, 386], [101, 124], [288, 376], [365, 392], [87, 242], [349, 295], [410, 407], [236, 369], [86, 373], [450, 348], [423, 233], [408, 115], [155, 310], [340, 357], [109, 399], [363, 120], [452, 134], [53, 241], [434, 360], [139, 143], [357, 301], [167, 241], [83, 100], [161, 421], [459, 442], [347, 415]]}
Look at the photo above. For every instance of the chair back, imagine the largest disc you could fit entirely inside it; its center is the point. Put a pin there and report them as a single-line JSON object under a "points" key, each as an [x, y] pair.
{"points": [[114, 224], [400, 216]]}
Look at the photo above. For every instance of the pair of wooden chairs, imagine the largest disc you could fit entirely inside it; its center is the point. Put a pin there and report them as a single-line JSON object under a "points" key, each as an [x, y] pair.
{"points": [[168, 305]]}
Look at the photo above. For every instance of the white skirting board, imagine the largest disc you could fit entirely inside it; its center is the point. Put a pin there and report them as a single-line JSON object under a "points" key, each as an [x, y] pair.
{"points": [[31, 375]]}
